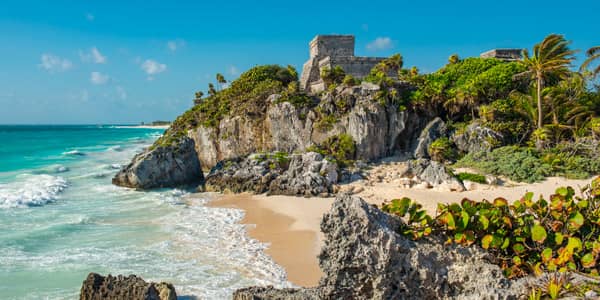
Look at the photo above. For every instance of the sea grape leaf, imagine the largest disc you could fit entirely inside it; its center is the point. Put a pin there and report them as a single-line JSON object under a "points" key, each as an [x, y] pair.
{"points": [[538, 233], [576, 220]]}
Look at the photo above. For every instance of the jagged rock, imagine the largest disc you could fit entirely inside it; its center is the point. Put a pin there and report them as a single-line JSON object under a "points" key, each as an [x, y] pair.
{"points": [[307, 174], [434, 174], [98, 287], [271, 293], [477, 138], [375, 128], [434, 130], [165, 166], [365, 258]]}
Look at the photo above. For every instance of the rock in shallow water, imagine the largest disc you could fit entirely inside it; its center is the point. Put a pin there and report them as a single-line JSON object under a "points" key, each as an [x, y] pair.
{"points": [[98, 287], [163, 166]]}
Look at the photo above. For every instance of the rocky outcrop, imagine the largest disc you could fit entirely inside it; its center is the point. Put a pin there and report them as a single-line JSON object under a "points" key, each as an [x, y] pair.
{"points": [[374, 127], [308, 174], [432, 174], [477, 138], [365, 258], [98, 287], [434, 130], [164, 166]]}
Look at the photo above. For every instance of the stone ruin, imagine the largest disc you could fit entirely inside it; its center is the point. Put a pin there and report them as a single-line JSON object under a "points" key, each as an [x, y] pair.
{"points": [[503, 54], [329, 51]]}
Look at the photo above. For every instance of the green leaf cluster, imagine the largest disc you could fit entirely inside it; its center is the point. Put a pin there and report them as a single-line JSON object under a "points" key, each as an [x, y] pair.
{"points": [[341, 148], [528, 236], [441, 149], [524, 164]]}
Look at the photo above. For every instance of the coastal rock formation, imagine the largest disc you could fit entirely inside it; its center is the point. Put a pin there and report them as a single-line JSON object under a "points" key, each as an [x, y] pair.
{"points": [[434, 174], [375, 128], [434, 130], [477, 138], [365, 258], [165, 166], [98, 287], [308, 174]]}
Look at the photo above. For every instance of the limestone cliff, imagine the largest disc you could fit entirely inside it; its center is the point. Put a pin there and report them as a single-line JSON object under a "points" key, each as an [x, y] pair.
{"points": [[275, 123], [373, 126]]}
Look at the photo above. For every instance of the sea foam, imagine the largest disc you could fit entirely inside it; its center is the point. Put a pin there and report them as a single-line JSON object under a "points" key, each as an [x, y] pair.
{"points": [[31, 190]]}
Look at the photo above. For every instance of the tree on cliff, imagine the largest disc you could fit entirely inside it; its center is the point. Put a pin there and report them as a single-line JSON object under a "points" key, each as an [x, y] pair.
{"points": [[221, 80], [593, 55], [453, 59], [198, 98], [551, 57], [211, 89]]}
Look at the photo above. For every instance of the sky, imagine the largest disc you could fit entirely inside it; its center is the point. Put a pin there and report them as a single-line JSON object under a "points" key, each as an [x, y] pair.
{"points": [[125, 62]]}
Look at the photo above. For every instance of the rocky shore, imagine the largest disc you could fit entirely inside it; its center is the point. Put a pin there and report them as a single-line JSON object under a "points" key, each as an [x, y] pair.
{"points": [[364, 257]]}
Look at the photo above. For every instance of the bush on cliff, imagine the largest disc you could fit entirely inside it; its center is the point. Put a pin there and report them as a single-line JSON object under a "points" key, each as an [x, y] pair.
{"points": [[528, 236], [459, 88], [339, 147], [246, 95]]}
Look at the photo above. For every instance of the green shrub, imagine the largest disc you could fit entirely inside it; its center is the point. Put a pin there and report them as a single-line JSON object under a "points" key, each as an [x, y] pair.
{"points": [[471, 177], [326, 122], [340, 148], [332, 76], [558, 234], [518, 164], [441, 149], [349, 80]]}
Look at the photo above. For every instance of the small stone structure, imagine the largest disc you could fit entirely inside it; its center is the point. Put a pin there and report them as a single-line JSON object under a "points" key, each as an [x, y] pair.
{"points": [[503, 54], [329, 51]]}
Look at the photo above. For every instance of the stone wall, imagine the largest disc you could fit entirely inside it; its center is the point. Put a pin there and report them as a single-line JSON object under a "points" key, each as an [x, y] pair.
{"points": [[329, 51], [503, 54]]}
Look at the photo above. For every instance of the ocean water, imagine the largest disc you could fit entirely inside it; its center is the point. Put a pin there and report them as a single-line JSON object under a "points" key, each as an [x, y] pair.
{"points": [[61, 218]]}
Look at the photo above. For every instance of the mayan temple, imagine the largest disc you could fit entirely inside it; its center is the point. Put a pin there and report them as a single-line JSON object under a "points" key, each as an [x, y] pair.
{"points": [[328, 51]]}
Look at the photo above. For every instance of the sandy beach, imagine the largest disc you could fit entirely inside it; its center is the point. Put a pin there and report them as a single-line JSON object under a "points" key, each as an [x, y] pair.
{"points": [[290, 225]]}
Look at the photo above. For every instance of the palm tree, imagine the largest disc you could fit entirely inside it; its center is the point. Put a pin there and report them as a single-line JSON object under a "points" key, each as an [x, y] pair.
{"points": [[593, 54], [550, 57], [221, 80]]}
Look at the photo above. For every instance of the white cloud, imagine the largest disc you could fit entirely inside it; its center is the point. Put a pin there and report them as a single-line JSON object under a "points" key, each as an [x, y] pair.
{"points": [[174, 45], [121, 93], [53, 63], [98, 78], [380, 43], [93, 56], [152, 67], [90, 17], [234, 71]]}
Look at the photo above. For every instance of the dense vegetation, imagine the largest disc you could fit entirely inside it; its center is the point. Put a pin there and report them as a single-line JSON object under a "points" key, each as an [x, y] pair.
{"points": [[528, 236], [547, 114]]}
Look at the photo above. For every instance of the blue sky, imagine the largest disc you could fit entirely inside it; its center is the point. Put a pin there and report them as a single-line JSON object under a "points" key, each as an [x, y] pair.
{"points": [[113, 62]]}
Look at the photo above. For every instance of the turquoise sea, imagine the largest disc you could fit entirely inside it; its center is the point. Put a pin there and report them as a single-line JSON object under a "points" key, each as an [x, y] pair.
{"points": [[61, 218]]}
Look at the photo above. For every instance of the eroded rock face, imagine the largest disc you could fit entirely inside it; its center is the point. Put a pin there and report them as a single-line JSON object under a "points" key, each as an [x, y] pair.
{"points": [[308, 174], [433, 174], [477, 138], [168, 166], [434, 130], [98, 287], [374, 127], [364, 258]]}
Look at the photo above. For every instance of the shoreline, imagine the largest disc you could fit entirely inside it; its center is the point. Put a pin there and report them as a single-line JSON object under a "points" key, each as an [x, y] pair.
{"points": [[290, 227]]}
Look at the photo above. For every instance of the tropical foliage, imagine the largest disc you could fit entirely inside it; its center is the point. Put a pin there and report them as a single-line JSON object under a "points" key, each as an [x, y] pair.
{"points": [[559, 233]]}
